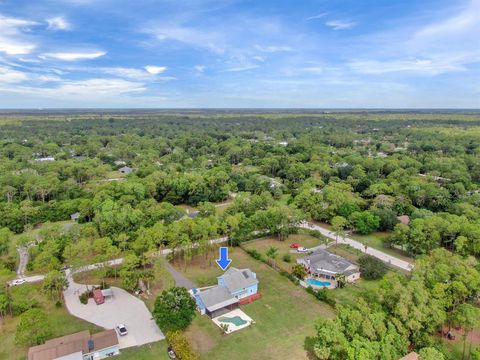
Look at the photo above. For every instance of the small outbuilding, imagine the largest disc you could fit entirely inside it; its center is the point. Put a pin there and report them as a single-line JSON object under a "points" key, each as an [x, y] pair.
{"points": [[75, 216], [125, 170], [98, 296]]}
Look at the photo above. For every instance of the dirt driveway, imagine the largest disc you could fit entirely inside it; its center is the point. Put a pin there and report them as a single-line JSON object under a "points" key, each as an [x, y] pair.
{"points": [[123, 308]]}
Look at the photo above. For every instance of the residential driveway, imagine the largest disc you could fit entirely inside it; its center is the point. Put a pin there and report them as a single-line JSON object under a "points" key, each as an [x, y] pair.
{"points": [[123, 308], [180, 279]]}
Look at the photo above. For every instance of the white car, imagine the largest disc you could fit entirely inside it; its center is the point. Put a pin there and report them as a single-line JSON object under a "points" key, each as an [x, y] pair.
{"points": [[18, 282], [301, 249], [122, 330]]}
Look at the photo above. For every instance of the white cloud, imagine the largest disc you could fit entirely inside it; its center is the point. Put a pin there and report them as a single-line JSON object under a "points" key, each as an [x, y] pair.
{"points": [[12, 41], [340, 24], [425, 66], [448, 44], [73, 56], [210, 40], [318, 16], [242, 68], [155, 70], [312, 69], [10, 76], [273, 48], [58, 23], [200, 68], [98, 86]]}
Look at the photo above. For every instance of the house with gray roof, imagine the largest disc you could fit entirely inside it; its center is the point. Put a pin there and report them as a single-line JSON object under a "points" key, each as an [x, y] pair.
{"points": [[324, 264], [233, 287]]}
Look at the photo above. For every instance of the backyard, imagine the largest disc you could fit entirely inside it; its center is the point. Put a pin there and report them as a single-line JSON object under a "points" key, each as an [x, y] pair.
{"points": [[284, 316], [304, 240]]}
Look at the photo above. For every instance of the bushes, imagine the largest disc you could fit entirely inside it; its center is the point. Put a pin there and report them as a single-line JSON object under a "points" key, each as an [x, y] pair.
{"points": [[322, 295], [181, 346], [287, 258], [371, 267], [84, 297], [255, 254]]}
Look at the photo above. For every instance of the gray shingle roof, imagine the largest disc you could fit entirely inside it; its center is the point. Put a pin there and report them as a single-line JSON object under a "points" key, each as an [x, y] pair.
{"points": [[324, 260], [238, 279], [217, 297]]}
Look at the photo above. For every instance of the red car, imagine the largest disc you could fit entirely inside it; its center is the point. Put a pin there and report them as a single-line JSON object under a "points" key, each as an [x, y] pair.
{"points": [[295, 246]]}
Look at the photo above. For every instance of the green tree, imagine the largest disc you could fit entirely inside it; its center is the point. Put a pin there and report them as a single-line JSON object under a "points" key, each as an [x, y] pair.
{"points": [[339, 224], [466, 316], [330, 341], [272, 253], [430, 353], [299, 271], [6, 237], [372, 268], [365, 222], [54, 284], [174, 309], [34, 328]]}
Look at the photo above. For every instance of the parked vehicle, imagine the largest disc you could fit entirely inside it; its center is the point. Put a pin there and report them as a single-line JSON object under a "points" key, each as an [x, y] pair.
{"points": [[18, 282], [294, 246], [122, 330], [301, 249]]}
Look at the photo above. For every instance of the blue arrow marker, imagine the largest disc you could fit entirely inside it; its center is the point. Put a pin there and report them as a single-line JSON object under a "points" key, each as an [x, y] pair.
{"points": [[224, 261]]}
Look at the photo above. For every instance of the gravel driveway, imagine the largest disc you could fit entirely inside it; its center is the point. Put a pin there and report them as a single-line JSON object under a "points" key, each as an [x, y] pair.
{"points": [[123, 308]]}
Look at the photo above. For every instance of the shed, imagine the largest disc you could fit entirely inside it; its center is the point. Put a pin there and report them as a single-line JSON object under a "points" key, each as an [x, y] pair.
{"points": [[98, 296], [75, 216], [125, 170], [107, 293]]}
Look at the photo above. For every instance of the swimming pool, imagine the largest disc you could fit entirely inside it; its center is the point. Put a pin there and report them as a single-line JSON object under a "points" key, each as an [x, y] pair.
{"points": [[236, 320], [316, 282]]}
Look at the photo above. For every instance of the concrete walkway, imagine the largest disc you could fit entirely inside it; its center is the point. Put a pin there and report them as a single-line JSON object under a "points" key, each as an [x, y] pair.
{"points": [[389, 259], [123, 308]]}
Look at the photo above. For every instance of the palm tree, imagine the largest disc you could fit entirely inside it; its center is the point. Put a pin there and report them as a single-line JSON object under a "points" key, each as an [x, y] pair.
{"points": [[338, 226], [272, 253]]}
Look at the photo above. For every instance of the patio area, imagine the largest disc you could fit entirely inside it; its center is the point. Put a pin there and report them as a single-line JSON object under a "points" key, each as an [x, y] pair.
{"points": [[235, 319]]}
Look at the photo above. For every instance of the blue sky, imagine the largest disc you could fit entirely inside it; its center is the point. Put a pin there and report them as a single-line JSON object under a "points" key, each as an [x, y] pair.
{"points": [[227, 53]]}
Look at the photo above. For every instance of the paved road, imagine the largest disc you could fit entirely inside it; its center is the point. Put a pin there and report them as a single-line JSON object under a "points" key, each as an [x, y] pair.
{"points": [[389, 259], [123, 308], [119, 261]]}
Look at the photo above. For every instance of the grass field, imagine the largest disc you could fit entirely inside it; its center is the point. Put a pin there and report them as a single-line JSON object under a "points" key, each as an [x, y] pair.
{"points": [[375, 241], [155, 351], [262, 245], [62, 324], [284, 316]]}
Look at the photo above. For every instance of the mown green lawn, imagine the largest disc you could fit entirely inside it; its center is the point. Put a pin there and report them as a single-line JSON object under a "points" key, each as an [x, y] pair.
{"points": [[155, 351], [284, 316]]}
